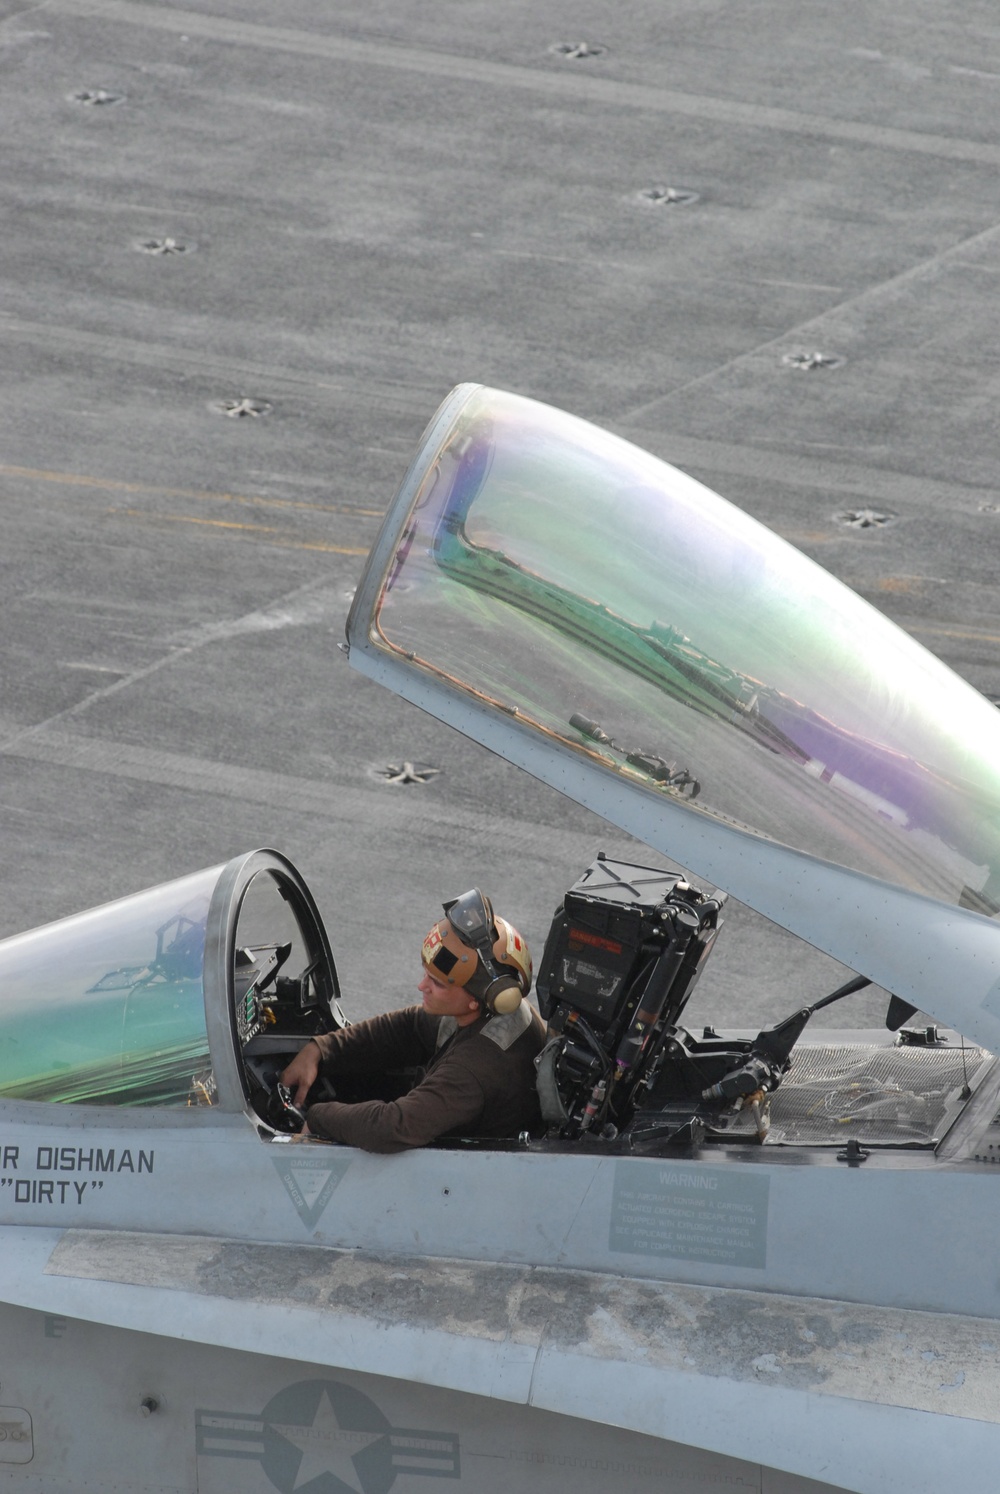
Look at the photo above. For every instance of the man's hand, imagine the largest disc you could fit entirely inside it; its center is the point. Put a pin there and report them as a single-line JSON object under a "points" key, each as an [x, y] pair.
{"points": [[302, 1073]]}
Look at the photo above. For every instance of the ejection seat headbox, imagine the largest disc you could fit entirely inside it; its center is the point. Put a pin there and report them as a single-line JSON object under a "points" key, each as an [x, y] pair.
{"points": [[609, 921]]}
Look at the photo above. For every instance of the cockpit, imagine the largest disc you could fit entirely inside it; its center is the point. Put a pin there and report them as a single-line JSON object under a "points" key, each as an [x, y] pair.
{"points": [[199, 992]]}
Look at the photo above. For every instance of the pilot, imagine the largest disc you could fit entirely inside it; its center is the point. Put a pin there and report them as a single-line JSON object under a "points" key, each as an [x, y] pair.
{"points": [[474, 1038]]}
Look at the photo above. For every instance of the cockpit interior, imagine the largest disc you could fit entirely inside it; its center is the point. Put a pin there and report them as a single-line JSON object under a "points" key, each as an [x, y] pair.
{"points": [[199, 992]]}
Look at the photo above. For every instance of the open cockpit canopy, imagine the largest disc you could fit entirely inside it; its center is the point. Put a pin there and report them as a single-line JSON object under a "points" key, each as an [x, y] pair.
{"points": [[615, 627]]}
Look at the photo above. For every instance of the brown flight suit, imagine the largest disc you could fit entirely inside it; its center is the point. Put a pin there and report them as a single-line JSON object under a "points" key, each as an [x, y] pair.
{"points": [[477, 1080]]}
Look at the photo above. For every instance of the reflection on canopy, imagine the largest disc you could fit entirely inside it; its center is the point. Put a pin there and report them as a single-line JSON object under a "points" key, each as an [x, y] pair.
{"points": [[627, 611], [108, 1007]]}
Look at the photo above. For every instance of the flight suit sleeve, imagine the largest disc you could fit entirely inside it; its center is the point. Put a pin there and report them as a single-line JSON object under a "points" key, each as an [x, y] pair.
{"points": [[395, 1040], [450, 1098]]}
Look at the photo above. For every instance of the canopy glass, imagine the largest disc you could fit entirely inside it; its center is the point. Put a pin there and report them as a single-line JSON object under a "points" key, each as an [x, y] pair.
{"points": [[630, 614], [108, 1006], [149, 1000]]}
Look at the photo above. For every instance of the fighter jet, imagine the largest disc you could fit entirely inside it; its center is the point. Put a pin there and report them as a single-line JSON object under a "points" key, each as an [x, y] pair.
{"points": [[757, 1258]]}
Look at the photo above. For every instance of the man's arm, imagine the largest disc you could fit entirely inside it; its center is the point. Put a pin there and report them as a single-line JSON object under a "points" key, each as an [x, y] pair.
{"points": [[449, 1099], [302, 1073], [394, 1040]]}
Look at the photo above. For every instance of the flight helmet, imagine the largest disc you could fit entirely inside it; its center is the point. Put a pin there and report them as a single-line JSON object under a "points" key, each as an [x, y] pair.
{"points": [[474, 949]]}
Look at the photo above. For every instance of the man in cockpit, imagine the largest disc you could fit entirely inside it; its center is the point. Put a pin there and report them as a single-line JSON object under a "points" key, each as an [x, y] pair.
{"points": [[474, 1040]]}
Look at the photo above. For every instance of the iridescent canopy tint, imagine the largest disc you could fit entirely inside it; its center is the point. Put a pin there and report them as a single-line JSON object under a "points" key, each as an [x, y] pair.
{"points": [[108, 1007], [631, 615]]}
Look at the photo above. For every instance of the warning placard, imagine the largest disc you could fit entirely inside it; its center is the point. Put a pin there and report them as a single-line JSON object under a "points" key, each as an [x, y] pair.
{"points": [[691, 1213]]}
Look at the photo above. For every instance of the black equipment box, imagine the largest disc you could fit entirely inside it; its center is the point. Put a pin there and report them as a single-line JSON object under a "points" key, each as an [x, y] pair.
{"points": [[598, 934]]}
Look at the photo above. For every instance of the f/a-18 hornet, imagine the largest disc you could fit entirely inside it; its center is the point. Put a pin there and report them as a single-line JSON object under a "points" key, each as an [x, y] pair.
{"points": [[761, 1258]]}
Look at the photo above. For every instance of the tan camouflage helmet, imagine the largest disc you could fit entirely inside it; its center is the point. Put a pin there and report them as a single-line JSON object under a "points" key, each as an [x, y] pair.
{"points": [[453, 962]]}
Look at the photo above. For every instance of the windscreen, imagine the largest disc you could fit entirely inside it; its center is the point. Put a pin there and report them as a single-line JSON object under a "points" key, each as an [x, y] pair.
{"points": [[631, 615], [108, 1007]]}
